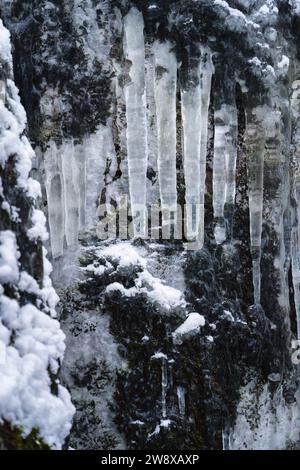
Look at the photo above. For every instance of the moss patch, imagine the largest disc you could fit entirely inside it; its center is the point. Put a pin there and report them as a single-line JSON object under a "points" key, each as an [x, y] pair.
{"points": [[11, 438]]}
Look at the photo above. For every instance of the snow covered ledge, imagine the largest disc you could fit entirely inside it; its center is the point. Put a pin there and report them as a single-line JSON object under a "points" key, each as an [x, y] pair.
{"points": [[31, 341]]}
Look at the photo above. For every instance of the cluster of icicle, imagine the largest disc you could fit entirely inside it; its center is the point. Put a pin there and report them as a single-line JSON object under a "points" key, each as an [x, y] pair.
{"points": [[195, 101]]}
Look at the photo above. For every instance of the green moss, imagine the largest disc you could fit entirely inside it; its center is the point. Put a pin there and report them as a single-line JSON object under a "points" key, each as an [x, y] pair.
{"points": [[12, 438]]}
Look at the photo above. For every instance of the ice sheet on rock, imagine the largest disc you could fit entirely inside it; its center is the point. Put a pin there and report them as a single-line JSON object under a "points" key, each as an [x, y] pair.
{"points": [[97, 40], [165, 100], [264, 420], [135, 96]]}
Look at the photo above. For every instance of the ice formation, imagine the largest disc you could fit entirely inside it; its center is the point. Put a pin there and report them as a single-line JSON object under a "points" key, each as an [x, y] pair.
{"points": [[203, 110], [135, 95], [165, 99], [191, 121]]}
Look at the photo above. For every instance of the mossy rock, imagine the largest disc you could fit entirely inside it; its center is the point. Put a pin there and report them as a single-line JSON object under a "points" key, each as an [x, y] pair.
{"points": [[11, 438]]}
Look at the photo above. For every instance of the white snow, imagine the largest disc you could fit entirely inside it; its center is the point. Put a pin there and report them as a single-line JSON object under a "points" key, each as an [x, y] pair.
{"points": [[31, 342], [5, 47], [159, 355], [9, 255], [38, 230], [125, 255], [192, 325], [25, 396]]}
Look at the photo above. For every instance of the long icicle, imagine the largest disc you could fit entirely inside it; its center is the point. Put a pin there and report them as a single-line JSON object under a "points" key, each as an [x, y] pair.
{"points": [[165, 100], [207, 70], [70, 173], [191, 121], [135, 97], [225, 153], [295, 249], [55, 199], [255, 144]]}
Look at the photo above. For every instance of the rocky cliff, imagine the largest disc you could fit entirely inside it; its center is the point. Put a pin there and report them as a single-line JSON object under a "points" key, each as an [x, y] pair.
{"points": [[166, 139]]}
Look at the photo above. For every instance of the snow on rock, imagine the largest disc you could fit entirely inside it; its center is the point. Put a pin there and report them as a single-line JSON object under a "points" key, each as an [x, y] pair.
{"points": [[38, 230], [9, 255], [38, 345], [31, 341], [5, 47], [124, 255], [191, 325]]}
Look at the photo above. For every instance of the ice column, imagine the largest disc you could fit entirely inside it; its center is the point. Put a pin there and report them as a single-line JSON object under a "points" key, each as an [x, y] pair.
{"points": [[276, 175], [80, 165], [55, 199], [164, 385], [135, 97], [255, 145], [181, 400], [296, 274], [165, 100], [225, 153], [2, 90], [70, 173], [207, 70], [98, 147], [191, 120], [295, 250]]}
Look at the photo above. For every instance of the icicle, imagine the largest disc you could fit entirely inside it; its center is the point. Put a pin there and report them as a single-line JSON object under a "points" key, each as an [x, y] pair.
{"points": [[165, 100], [181, 401], [164, 385], [191, 120], [296, 274], [70, 181], [255, 144], [225, 153], [295, 248], [97, 147], [219, 172], [80, 160], [207, 70], [55, 199], [2, 90], [135, 96]]}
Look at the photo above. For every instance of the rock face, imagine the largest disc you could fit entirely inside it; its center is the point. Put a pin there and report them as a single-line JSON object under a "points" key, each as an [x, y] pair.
{"points": [[173, 341]]}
